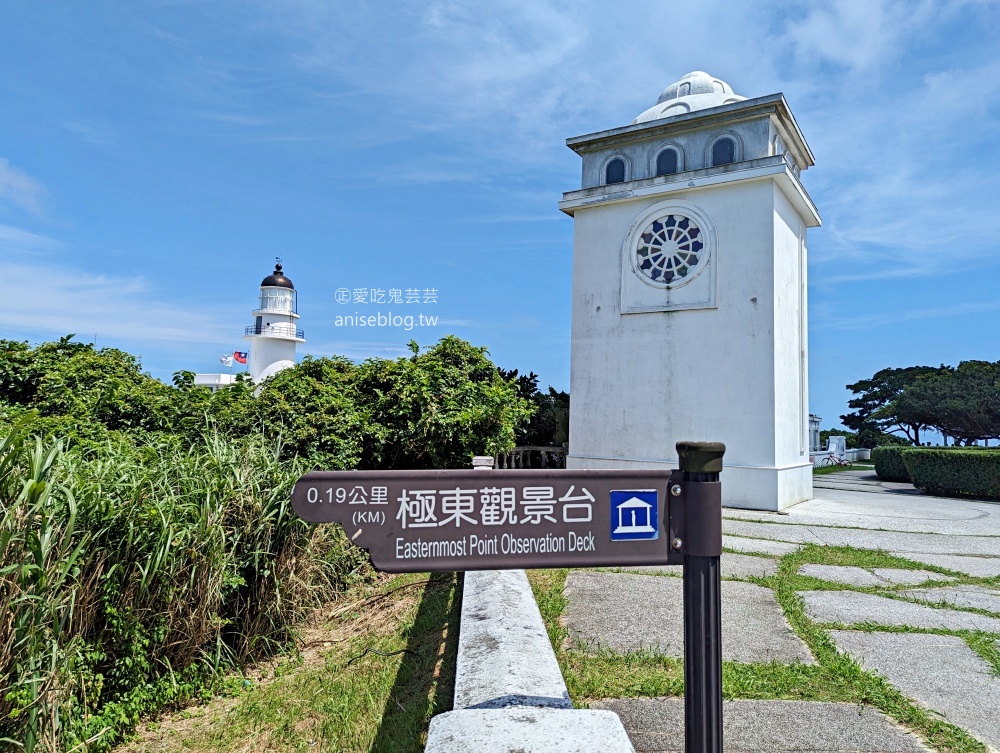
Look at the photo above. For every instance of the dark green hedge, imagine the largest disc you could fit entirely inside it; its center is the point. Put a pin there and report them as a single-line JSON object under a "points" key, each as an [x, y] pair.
{"points": [[958, 472], [889, 463]]}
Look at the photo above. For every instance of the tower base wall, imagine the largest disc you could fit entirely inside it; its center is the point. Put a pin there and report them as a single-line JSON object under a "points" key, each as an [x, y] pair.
{"points": [[743, 487]]}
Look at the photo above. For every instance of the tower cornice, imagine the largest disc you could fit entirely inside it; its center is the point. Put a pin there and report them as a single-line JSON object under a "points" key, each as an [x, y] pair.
{"points": [[772, 105], [774, 168]]}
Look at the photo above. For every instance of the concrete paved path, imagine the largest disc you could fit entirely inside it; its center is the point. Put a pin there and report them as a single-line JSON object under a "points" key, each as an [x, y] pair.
{"points": [[862, 481], [941, 672]]}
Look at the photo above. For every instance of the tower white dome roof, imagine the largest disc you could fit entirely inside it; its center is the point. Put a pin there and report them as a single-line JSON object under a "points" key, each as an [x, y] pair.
{"points": [[695, 91]]}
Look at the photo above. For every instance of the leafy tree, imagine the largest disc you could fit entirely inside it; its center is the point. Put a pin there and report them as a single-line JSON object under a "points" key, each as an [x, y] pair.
{"points": [[527, 384], [315, 410], [869, 438], [431, 410], [16, 373], [872, 438], [556, 404], [851, 437], [79, 382], [232, 411], [876, 410], [549, 425], [438, 408], [962, 402]]}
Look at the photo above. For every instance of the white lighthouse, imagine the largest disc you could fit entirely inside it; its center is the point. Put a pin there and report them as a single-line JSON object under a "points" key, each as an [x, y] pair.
{"points": [[274, 332]]}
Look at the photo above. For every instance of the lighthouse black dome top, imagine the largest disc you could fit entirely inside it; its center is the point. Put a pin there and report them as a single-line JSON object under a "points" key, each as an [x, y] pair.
{"points": [[277, 279]]}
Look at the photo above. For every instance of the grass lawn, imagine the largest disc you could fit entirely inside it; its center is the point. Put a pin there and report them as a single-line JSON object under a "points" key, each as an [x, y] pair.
{"points": [[821, 470]]}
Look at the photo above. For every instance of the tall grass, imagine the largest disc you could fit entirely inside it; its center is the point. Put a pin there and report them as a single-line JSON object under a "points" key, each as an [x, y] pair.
{"points": [[131, 574]]}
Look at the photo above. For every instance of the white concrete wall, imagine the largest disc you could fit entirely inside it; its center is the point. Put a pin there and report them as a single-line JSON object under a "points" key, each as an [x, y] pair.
{"points": [[791, 369], [642, 382], [214, 381]]}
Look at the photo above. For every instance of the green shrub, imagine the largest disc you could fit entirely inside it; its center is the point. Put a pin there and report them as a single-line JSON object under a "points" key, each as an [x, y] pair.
{"points": [[955, 471], [889, 463], [133, 574], [147, 542]]}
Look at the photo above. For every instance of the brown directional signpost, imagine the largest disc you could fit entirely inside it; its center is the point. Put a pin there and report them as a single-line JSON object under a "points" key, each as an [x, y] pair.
{"points": [[442, 521]]}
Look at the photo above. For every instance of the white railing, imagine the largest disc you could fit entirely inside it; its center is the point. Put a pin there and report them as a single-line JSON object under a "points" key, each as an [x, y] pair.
{"points": [[275, 330]]}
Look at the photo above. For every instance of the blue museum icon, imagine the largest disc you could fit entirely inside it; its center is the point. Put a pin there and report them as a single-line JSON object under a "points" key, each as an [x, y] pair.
{"points": [[634, 515]]}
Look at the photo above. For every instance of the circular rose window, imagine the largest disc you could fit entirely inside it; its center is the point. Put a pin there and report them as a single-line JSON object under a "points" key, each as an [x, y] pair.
{"points": [[670, 249]]}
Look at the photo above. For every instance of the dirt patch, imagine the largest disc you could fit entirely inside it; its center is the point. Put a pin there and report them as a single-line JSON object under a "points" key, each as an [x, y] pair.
{"points": [[167, 732], [328, 628]]}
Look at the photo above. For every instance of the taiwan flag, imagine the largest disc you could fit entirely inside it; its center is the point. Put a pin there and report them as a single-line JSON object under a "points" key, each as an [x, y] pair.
{"points": [[240, 357]]}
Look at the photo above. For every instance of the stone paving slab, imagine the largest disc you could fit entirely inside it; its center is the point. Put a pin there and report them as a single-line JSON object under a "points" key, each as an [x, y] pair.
{"points": [[866, 539], [853, 607], [759, 546], [901, 577], [880, 576], [849, 576], [939, 671], [733, 566], [624, 612], [978, 567], [656, 725], [976, 597]]}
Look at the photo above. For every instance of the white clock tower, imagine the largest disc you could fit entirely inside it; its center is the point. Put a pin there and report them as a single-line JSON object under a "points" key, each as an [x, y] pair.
{"points": [[689, 291]]}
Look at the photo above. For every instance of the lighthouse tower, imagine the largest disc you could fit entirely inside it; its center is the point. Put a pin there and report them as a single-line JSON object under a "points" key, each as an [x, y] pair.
{"points": [[274, 332]]}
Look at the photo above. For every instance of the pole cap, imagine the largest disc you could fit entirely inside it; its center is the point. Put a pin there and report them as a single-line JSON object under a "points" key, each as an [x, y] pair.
{"points": [[701, 457]]}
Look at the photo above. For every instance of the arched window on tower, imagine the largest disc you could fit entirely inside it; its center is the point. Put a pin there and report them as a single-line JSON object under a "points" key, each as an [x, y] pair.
{"points": [[723, 151], [615, 171], [667, 162]]}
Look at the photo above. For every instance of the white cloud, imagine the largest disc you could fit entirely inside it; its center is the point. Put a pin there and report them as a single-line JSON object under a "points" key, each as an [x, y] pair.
{"points": [[460, 323], [513, 78], [20, 188], [93, 132], [54, 301], [857, 34], [873, 321], [901, 182], [17, 242], [503, 83]]}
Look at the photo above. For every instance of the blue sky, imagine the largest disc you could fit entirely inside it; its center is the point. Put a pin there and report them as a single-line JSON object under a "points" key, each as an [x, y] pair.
{"points": [[156, 156]]}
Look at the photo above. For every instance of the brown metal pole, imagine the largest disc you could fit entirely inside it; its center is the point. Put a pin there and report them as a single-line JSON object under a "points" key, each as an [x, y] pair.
{"points": [[700, 465]]}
